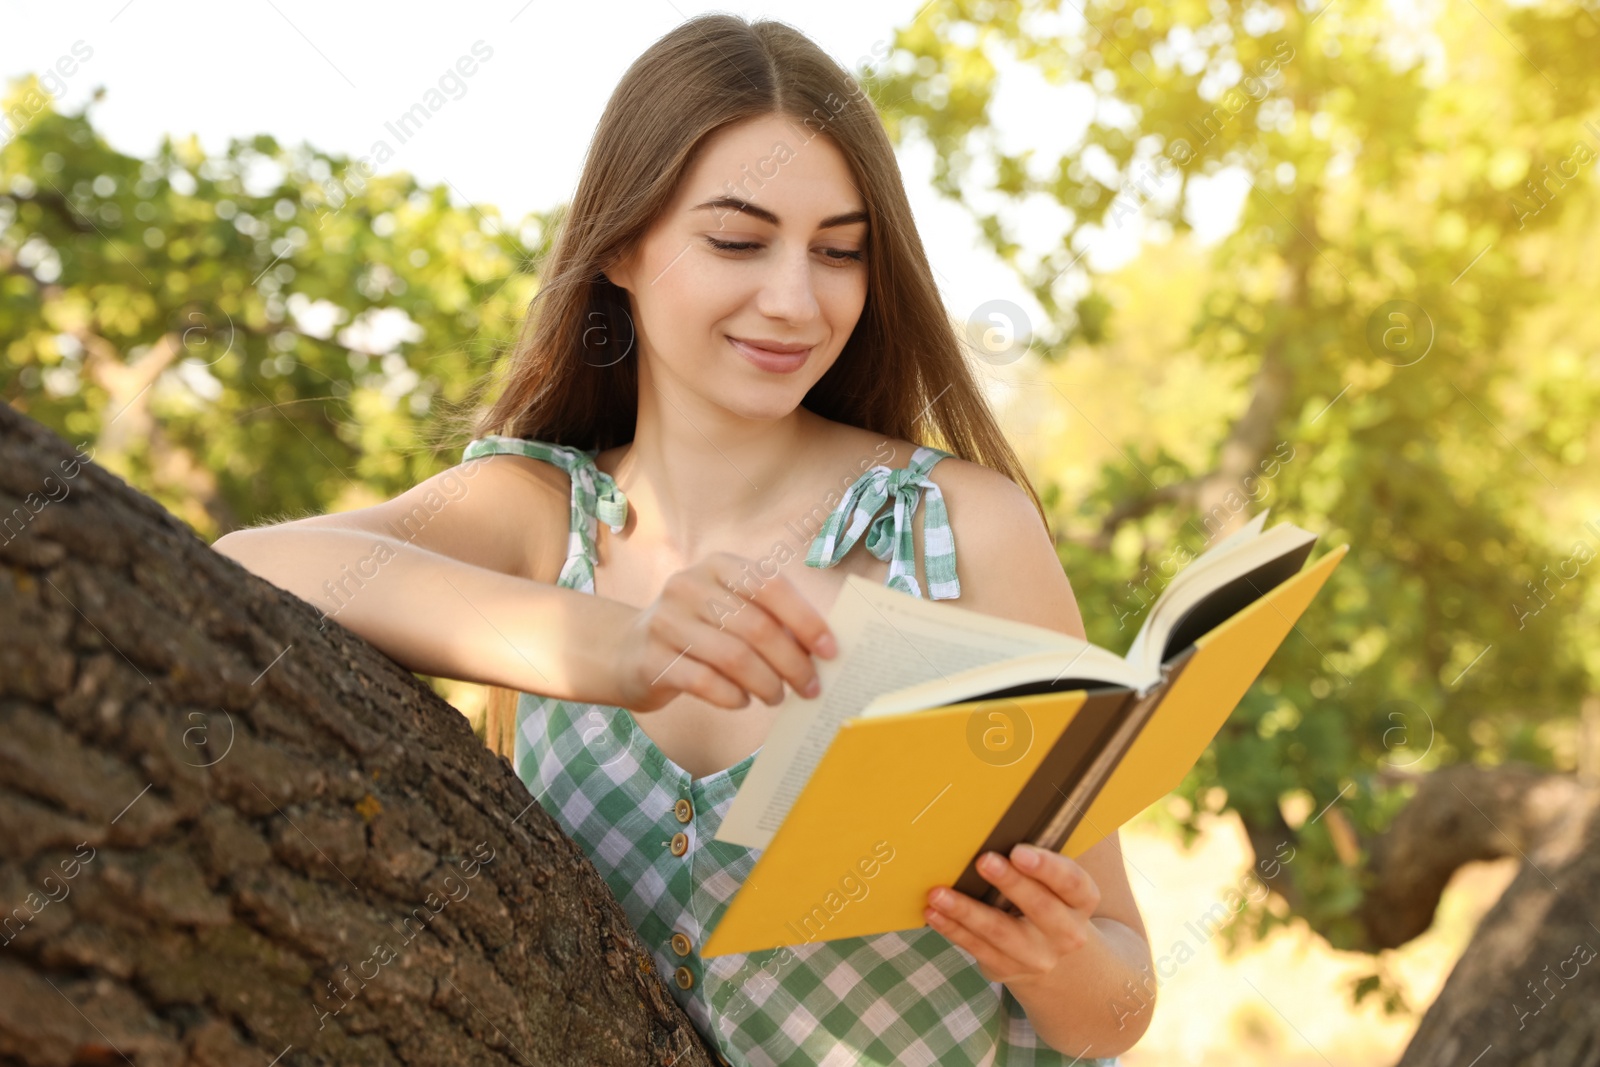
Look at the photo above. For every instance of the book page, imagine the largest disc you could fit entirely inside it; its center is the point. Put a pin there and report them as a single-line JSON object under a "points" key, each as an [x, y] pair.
{"points": [[1187, 590], [1088, 663], [1195, 569], [888, 640]]}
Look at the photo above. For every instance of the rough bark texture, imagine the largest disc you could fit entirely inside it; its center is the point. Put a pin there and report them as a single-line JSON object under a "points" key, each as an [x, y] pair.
{"points": [[1527, 989], [1459, 815], [230, 837]]}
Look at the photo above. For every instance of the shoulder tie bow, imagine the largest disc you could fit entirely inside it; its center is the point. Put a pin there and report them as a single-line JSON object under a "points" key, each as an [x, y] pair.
{"points": [[611, 503], [889, 535]]}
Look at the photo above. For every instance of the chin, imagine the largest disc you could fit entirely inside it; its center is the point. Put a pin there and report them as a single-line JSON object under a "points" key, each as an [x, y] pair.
{"points": [[776, 405]]}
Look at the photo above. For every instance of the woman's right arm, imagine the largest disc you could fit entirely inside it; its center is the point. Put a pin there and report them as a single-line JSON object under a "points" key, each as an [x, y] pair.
{"points": [[440, 580]]}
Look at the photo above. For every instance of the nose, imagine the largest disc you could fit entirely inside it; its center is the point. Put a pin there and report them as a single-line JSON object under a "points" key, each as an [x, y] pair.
{"points": [[787, 292]]}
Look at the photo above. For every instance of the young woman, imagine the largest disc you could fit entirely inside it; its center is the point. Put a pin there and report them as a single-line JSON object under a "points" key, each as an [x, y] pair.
{"points": [[735, 357]]}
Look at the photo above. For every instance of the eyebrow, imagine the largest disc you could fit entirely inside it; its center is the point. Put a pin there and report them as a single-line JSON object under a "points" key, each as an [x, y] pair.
{"points": [[736, 204]]}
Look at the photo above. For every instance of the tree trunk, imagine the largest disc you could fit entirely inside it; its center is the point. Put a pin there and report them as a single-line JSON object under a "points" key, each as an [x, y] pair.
{"points": [[230, 837], [1527, 988]]}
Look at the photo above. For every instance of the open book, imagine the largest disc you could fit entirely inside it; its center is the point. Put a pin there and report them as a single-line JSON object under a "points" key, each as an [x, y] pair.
{"points": [[942, 733]]}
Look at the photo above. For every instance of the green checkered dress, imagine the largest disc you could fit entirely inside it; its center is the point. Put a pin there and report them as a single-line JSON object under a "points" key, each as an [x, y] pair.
{"points": [[907, 997]]}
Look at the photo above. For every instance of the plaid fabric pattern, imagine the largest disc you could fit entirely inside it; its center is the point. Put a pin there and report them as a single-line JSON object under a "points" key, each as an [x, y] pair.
{"points": [[889, 535], [907, 997]]}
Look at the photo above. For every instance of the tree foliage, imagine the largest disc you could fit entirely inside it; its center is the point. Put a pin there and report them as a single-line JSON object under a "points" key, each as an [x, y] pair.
{"points": [[1394, 346], [267, 333]]}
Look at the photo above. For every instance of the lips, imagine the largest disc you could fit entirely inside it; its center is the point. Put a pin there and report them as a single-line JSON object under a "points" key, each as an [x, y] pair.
{"points": [[784, 359], [775, 347]]}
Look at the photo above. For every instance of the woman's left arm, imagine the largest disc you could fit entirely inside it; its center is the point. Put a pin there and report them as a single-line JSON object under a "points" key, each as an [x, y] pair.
{"points": [[1077, 959]]}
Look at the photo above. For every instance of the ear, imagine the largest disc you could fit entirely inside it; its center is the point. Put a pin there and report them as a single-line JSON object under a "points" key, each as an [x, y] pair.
{"points": [[619, 270]]}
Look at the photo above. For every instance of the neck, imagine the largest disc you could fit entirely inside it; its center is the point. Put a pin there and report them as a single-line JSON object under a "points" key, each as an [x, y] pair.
{"points": [[696, 472]]}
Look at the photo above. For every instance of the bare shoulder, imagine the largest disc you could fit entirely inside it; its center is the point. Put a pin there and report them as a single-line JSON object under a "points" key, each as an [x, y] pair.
{"points": [[547, 479], [1005, 559], [844, 444], [508, 513], [524, 505]]}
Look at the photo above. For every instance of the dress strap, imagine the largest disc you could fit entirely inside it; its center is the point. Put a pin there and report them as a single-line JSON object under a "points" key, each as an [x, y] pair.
{"points": [[595, 495], [889, 535]]}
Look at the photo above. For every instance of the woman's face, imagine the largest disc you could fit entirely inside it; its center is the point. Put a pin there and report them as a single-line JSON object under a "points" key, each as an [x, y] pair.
{"points": [[783, 196]]}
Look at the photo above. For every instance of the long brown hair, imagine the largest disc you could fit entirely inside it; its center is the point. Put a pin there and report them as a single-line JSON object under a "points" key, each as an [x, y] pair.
{"points": [[902, 373]]}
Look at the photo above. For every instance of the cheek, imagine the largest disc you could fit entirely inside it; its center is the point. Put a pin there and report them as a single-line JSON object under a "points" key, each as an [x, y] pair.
{"points": [[684, 315], [691, 290], [843, 301]]}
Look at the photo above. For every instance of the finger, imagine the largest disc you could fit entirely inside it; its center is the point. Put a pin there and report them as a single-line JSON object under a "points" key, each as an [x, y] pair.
{"points": [[757, 626], [690, 675], [1065, 876], [779, 597], [737, 661], [676, 671], [699, 602], [1007, 933], [1064, 925], [990, 958]]}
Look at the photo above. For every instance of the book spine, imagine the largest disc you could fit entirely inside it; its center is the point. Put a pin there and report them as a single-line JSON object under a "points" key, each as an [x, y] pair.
{"points": [[1076, 799]]}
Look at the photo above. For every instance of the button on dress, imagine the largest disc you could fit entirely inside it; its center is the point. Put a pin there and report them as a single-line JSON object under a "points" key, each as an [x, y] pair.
{"points": [[909, 997]]}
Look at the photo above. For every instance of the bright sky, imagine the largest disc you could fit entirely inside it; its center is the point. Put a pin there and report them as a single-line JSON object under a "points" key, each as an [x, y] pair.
{"points": [[333, 76]]}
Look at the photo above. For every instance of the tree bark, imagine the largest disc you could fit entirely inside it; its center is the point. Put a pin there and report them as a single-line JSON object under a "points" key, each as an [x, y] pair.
{"points": [[230, 837], [1458, 815], [1527, 988]]}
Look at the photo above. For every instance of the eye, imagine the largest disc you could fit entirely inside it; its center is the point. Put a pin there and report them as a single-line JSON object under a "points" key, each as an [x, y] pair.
{"points": [[731, 246], [837, 256]]}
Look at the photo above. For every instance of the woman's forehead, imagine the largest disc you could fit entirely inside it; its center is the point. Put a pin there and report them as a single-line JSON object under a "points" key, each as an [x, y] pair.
{"points": [[774, 171]]}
